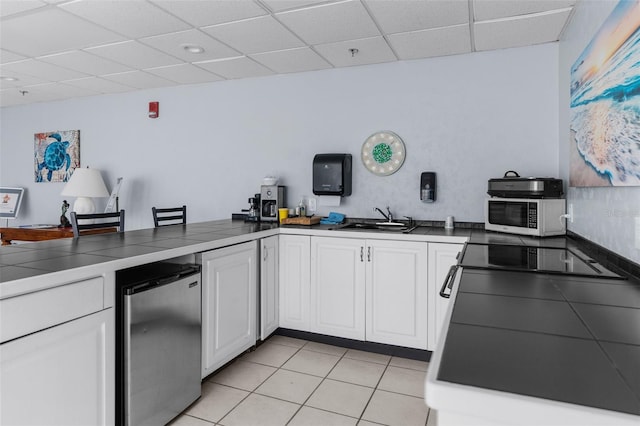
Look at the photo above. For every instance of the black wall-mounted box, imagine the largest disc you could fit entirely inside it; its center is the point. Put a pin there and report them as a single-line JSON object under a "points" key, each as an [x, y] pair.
{"points": [[332, 174], [428, 187]]}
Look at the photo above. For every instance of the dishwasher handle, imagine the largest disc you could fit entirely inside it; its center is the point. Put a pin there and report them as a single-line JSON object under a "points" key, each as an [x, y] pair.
{"points": [[448, 282]]}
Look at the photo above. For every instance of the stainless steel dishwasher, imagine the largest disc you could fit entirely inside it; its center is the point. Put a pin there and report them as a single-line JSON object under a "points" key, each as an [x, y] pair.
{"points": [[158, 342]]}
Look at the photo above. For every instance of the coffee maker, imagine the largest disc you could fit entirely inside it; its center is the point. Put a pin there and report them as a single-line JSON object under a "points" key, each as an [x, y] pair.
{"points": [[254, 209], [272, 197]]}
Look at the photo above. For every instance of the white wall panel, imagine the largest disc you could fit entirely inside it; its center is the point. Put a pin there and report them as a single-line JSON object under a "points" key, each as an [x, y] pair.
{"points": [[466, 117]]}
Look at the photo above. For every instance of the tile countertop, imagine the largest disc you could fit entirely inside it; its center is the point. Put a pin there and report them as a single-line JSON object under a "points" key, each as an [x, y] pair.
{"points": [[33, 266], [117, 251], [571, 340]]}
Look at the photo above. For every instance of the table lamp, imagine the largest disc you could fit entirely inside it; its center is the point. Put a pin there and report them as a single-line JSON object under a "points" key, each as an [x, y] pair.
{"points": [[85, 184]]}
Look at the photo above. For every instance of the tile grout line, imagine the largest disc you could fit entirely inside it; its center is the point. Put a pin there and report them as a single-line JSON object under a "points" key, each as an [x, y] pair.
{"points": [[252, 392], [316, 388], [324, 378]]}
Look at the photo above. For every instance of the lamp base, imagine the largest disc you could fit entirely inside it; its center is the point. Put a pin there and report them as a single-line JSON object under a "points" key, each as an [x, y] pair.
{"points": [[84, 205]]}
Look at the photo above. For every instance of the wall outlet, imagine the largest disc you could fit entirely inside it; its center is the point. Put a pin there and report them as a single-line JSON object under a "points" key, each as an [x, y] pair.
{"points": [[311, 205], [570, 213]]}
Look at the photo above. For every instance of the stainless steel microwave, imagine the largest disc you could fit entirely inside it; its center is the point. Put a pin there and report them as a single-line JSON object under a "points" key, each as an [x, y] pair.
{"points": [[525, 216]]}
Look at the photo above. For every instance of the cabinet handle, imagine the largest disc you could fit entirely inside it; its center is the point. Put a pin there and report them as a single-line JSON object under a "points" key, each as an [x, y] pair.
{"points": [[448, 282], [369, 254], [361, 254], [266, 252]]}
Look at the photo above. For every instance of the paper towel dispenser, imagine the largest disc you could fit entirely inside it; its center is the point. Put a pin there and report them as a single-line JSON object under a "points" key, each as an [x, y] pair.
{"points": [[332, 174]]}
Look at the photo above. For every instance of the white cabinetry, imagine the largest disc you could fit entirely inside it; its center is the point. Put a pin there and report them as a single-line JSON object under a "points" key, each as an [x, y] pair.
{"points": [[337, 287], [62, 373], [374, 290], [229, 285], [269, 313], [441, 257], [396, 293], [383, 291], [295, 267]]}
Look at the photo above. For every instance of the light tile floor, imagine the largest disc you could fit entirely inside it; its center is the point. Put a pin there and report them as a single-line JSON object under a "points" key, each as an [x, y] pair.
{"points": [[294, 382]]}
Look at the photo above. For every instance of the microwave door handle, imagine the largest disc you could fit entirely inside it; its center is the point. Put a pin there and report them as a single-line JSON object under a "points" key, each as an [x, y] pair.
{"points": [[448, 282]]}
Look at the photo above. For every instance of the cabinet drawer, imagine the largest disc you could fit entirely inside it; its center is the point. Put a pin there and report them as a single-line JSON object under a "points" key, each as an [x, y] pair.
{"points": [[22, 315]]}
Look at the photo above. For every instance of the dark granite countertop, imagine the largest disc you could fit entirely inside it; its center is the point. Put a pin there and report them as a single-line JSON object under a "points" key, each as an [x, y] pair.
{"points": [[20, 261], [570, 339]]}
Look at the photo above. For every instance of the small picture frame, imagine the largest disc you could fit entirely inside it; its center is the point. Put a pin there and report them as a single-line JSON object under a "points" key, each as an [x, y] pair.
{"points": [[10, 201]]}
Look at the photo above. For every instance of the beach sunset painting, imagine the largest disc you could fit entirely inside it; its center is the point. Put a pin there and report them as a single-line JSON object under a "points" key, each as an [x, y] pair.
{"points": [[605, 104]]}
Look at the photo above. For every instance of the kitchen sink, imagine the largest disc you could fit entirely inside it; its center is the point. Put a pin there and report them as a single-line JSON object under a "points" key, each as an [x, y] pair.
{"points": [[380, 226]]}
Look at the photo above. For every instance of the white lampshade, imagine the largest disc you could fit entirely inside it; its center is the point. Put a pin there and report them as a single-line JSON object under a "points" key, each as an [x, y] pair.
{"points": [[84, 184]]}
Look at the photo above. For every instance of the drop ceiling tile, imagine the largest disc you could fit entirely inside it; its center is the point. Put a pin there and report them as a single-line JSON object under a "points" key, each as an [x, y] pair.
{"points": [[139, 80], [372, 50], [331, 22], [255, 35], [404, 16], [22, 79], [82, 61], [521, 31], [43, 70], [495, 9], [281, 5], [434, 42], [172, 44], [11, 97], [292, 60], [184, 74], [240, 67], [11, 7], [202, 13], [134, 19], [6, 56], [55, 91], [134, 55], [51, 31], [99, 85]]}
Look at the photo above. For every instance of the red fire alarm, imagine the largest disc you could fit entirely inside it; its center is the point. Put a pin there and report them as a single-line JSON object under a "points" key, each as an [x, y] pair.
{"points": [[154, 109]]}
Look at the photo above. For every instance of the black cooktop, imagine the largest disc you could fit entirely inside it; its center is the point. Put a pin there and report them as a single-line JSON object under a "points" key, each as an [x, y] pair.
{"points": [[552, 260]]}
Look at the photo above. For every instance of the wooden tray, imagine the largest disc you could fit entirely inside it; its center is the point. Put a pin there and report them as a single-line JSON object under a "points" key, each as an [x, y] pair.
{"points": [[309, 220]]}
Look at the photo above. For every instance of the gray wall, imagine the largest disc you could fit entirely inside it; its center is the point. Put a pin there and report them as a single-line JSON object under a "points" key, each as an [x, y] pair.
{"points": [[466, 117], [606, 215]]}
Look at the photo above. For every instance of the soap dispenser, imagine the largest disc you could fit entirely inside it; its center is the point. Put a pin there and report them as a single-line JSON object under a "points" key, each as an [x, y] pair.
{"points": [[428, 187]]}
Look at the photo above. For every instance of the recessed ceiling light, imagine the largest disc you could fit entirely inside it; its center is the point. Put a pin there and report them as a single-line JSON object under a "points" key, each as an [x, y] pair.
{"points": [[3, 78], [193, 48]]}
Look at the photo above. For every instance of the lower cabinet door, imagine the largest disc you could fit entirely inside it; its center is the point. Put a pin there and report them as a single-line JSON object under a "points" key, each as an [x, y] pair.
{"points": [[269, 311], [396, 308], [441, 257], [294, 252], [337, 287], [229, 286], [63, 375]]}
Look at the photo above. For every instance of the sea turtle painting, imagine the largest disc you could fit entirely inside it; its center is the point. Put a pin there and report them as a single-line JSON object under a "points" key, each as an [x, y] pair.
{"points": [[53, 154]]}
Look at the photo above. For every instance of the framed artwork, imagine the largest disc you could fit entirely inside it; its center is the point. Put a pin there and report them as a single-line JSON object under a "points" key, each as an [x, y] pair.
{"points": [[605, 104], [56, 155], [10, 201]]}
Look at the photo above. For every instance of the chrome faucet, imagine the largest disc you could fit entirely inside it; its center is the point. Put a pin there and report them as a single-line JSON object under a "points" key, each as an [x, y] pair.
{"points": [[388, 216]]}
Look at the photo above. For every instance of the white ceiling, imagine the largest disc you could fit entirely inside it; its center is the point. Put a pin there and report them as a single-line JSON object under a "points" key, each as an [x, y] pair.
{"points": [[61, 49]]}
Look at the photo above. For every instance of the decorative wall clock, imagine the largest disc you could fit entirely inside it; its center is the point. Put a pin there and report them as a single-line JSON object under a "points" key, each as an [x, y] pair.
{"points": [[383, 153]]}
